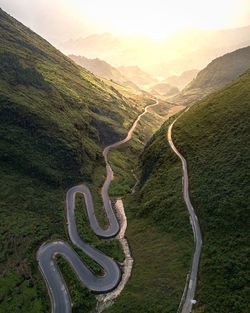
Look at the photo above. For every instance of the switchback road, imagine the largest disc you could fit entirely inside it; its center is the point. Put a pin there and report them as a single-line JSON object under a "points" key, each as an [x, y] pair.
{"points": [[57, 288]]}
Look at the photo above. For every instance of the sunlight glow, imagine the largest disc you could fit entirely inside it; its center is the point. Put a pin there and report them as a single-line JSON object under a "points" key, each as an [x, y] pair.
{"points": [[158, 18]]}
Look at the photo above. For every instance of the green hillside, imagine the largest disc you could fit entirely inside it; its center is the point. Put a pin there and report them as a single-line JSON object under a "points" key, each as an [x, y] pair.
{"points": [[159, 232], [103, 69], [55, 118], [217, 74], [214, 138], [98, 67], [39, 82]]}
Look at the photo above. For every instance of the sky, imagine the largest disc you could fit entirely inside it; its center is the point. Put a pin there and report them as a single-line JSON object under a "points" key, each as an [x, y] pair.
{"points": [[60, 20]]}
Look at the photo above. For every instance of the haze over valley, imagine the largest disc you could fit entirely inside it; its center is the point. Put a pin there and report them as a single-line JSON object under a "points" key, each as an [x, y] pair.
{"points": [[124, 156]]}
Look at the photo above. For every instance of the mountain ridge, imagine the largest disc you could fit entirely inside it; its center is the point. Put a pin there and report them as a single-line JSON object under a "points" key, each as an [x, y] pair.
{"points": [[182, 80], [214, 76], [136, 75], [180, 51], [103, 69], [55, 118], [213, 136]]}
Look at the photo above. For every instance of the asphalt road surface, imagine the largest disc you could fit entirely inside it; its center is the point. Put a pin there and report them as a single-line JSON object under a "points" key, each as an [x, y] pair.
{"points": [[187, 305], [57, 288]]}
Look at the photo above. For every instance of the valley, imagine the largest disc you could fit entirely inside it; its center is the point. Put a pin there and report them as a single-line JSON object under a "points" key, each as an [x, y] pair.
{"points": [[60, 300], [124, 169]]}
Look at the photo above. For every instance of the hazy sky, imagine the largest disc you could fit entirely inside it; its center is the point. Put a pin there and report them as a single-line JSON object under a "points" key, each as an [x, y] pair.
{"points": [[58, 20]]}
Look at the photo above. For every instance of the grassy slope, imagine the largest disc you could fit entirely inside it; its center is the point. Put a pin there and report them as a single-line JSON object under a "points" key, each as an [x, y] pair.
{"points": [[159, 232], [99, 68], [216, 75], [54, 118], [214, 138], [130, 93], [68, 107]]}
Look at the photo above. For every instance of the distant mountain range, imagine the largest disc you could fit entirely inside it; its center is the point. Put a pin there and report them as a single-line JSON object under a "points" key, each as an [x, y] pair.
{"points": [[134, 77], [163, 89], [218, 73], [103, 69], [138, 76], [131, 76], [98, 67], [182, 80], [180, 51]]}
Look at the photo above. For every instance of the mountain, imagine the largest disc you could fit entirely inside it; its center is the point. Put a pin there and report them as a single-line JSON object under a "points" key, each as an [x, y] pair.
{"points": [[57, 88], [183, 50], [218, 73], [159, 230], [136, 75], [182, 80], [163, 89], [55, 118], [103, 69], [195, 48], [213, 136], [98, 67], [92, 46]]}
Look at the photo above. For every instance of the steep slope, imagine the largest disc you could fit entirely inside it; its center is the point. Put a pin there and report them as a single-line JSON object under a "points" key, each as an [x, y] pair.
{"points": [[136, 75], [214, 138], [40, 82], [182, 80], [54, 119], [159, 232], [218, 73], [103, 69], [182, 50], [163, 89], [98, 67], [195, 48]]}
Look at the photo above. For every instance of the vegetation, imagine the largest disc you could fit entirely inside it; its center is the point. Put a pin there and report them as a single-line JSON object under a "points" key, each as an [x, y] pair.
{"points": [[111, 248], [18, 293], [158, 225], [124, 160], [81, 297], [31, 212], [217, 74], [55, 118], [213, 136], [101, 68]]}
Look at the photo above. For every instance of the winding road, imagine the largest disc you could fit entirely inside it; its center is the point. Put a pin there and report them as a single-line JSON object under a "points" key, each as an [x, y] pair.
{"points": [[190, 290], [57, 288]]}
